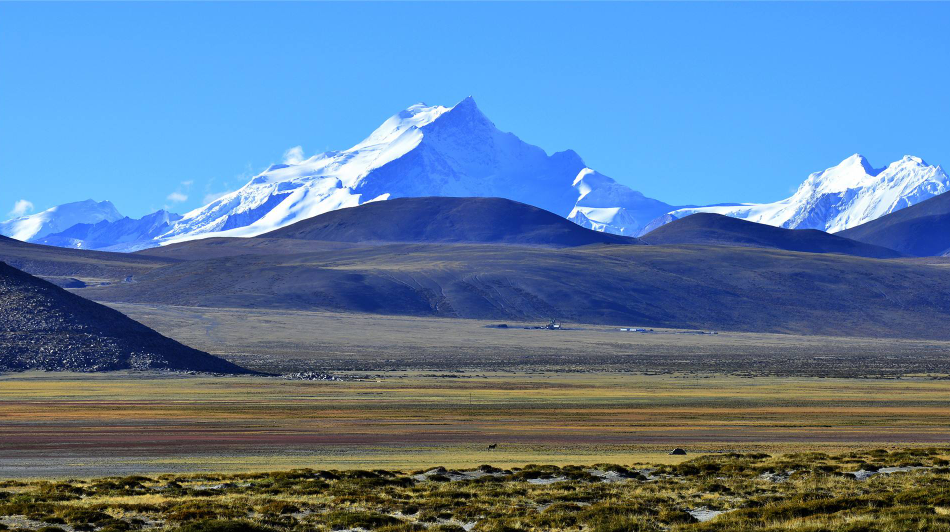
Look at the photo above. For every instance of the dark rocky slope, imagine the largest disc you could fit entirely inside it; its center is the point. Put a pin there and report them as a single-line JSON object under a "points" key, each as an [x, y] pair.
{"points": [[45, 327]]}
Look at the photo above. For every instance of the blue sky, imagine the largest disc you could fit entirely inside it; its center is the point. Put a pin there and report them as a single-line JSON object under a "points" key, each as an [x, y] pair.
{"points": [[686, 102]]}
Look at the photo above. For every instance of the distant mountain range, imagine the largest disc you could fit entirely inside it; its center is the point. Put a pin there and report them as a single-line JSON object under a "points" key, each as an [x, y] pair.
{"points": [[60, 218], [124, 234], [89, 224], [458, 152], [841, 197]]}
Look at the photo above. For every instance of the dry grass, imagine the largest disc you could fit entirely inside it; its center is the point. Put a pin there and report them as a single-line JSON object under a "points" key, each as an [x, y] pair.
{"points": [[62, 424], [798, 492]]}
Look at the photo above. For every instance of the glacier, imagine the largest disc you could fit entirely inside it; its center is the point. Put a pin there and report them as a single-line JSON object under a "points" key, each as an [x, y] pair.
{"points": [[841, 197]]}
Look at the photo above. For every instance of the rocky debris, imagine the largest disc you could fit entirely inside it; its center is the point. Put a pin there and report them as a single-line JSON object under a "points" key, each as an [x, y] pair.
{"points": [[45, 327]]}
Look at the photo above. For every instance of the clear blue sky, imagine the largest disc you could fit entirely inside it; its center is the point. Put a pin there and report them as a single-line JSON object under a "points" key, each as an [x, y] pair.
{"points": [[686, 102]]}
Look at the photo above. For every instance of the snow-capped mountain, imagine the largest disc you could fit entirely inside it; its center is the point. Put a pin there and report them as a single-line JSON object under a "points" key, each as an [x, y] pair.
{"points": [[125, 234], [605, 205], [53, 220], [423, 151], [840, 197]]}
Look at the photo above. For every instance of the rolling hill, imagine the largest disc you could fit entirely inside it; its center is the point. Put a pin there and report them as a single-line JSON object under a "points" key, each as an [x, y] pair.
{"points": [[75, 268], [447, 220], [474, 259], [921, 230], [710, 287], [45, 327], [717, 229]]}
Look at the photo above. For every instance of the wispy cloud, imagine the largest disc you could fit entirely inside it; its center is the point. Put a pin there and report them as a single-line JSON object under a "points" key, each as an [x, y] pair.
{"points": [[294, 155], [180, 195], [177, 197], [20, 207]]}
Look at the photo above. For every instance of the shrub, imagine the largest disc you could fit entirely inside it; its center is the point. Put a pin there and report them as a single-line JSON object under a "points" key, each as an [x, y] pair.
{"points": [[367, 520], [217, 525]]}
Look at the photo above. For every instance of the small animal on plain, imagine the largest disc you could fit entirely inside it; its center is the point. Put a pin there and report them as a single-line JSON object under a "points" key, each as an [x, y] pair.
{"points": [[492, 447]]}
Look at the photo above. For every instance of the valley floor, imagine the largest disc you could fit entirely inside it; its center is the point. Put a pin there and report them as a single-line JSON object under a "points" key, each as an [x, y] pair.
{"points": [[57, 425], [285, 341], [781, 432]]}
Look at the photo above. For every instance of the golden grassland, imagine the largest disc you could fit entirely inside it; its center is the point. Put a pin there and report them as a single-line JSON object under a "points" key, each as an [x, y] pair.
{"points": [[858, 491], [56, 425]]}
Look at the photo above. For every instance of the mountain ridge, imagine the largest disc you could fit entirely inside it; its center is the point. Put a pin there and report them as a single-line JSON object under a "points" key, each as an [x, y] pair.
{"points": [[920, 230], [718, 229], [843, 196], [125, 234], [59, 218]]}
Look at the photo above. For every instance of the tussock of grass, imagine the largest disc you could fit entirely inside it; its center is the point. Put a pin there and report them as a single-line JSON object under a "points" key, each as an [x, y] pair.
{"points": [[803, 492]]}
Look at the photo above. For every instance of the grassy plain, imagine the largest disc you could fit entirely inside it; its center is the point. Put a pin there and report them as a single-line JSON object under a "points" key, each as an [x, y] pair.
{"points": [[83, 425], [199, 453], [285, 341]]}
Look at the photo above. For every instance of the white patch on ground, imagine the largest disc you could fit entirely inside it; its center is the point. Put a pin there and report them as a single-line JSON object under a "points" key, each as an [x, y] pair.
{"points": [[546, 481], [776, 477], [703, 514], [614, 476], [455, 476], [864, 475]]}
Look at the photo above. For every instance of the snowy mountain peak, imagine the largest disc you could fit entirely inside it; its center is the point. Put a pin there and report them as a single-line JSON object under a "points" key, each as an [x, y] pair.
{"points": [[124, 234], [59, 218], [849, 173], [910, 159], [421, 151], [405, 121], [843, 196]]}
